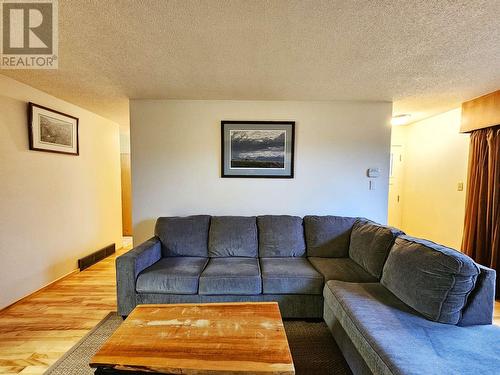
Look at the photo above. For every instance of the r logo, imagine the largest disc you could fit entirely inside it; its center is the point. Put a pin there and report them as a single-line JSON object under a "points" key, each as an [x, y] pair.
{"points": [[27, 28], [29, 37]]}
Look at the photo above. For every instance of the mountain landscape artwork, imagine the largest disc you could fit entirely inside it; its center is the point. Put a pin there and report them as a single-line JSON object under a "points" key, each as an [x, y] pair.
{"points": [[258, 148], [52, 131], [255, 149], [55, 131]]}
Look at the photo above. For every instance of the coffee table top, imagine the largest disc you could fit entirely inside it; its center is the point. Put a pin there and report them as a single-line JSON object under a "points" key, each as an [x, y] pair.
{"points": [[215, 338]]}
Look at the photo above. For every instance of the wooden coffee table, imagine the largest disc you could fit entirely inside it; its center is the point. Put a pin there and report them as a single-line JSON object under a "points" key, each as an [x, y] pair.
{"points": [[218, 338]]}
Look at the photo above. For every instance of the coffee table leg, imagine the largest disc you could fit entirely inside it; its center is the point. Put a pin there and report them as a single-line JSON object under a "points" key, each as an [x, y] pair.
{"points": [[105, 371], [111, 371]]}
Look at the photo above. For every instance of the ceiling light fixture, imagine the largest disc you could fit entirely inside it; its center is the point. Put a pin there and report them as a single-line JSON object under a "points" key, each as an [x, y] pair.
{"points": [[400, 120]]}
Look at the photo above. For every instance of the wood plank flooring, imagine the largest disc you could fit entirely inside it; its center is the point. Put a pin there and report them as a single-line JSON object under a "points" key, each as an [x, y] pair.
{"points": [[35, 332]]}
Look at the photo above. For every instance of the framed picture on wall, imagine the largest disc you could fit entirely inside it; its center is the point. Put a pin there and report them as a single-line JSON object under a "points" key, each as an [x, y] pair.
{"points": [[52, 131], [257, 149]]}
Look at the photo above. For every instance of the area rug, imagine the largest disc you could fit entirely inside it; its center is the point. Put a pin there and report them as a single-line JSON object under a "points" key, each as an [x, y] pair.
{"points": [[314, 350]]}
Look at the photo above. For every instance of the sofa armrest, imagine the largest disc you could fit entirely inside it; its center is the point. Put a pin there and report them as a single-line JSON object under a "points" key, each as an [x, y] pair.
{"points": [[128, 267], [480, 303]]}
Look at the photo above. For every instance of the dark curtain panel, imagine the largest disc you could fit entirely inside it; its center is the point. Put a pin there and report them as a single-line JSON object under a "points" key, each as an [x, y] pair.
{"points": [[481, 239]]}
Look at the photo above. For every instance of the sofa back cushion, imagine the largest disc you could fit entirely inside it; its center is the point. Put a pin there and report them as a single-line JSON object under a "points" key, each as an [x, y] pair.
{"points": [[433, 279], [480, 303], [281, 236], [233, 236], [183, 236], [370, 244], [328, 236]]}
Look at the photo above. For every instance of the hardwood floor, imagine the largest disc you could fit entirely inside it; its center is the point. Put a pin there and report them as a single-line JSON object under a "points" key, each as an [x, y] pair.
{"points": [[35, 332]]}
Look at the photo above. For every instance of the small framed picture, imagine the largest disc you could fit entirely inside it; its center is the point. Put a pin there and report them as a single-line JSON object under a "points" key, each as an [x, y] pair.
{"points": [[52, 131], [257, 148]]}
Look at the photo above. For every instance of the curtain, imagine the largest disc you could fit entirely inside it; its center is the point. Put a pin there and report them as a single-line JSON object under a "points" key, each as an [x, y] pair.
{"points": [[481, 239]]}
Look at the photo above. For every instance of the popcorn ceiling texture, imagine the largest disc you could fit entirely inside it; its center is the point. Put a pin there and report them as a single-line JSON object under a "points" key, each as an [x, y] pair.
{"points": [[425, 55]]}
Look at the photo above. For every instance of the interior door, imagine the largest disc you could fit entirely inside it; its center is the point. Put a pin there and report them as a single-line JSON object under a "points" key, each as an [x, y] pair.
{"points": [[395, 186], [126, 195]]}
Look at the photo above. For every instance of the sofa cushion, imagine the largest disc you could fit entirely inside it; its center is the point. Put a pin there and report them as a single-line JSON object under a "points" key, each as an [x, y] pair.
{"points": [[392, 338], [226, 276], [281, 236], [328, 236], [480, 303], [344, 269], [173, 275], [183, 236], [433, 279], [290, 276], [370, 244], [233, 236]]}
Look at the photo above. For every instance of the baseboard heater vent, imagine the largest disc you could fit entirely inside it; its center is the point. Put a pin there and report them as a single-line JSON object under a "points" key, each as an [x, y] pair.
{"points": [[93, 258]]}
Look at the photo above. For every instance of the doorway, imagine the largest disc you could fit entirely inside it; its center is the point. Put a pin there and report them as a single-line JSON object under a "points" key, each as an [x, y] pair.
{"points": [[395, 186]]}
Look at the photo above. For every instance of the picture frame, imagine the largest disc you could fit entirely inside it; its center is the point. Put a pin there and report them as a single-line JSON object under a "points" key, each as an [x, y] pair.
{"points": [[257, 149], [52, 131]]}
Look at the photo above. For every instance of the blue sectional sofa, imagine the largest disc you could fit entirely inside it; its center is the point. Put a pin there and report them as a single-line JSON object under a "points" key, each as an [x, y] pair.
{"points": [[395, 304]]}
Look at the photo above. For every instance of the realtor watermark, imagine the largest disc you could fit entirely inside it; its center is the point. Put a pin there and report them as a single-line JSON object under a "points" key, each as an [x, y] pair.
{"points": [[29, 37]]}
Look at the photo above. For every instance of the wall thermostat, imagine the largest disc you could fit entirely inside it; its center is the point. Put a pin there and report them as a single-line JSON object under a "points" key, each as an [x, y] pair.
{"points": [[373, 172]]}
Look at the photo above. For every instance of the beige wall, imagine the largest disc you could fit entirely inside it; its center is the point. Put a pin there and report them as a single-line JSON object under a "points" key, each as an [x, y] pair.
{"points": [[176, 160], [436, 157], [54, 208]]}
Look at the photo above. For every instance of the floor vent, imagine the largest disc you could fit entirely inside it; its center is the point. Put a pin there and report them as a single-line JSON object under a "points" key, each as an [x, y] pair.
{"points": [[93, 258]]}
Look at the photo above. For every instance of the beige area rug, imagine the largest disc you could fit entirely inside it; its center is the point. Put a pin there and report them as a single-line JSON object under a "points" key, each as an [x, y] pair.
{"points": [[313, 349]]}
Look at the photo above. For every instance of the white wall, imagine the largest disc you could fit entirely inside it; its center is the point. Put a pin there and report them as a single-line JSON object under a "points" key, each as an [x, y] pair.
{"points": [[436, 161], [176, 160], [54, 208], [399, 135], [124, 142]]}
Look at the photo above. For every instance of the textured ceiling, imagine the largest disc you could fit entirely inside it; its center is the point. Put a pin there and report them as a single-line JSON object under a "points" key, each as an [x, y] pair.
{"points": [[426, 56]]}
